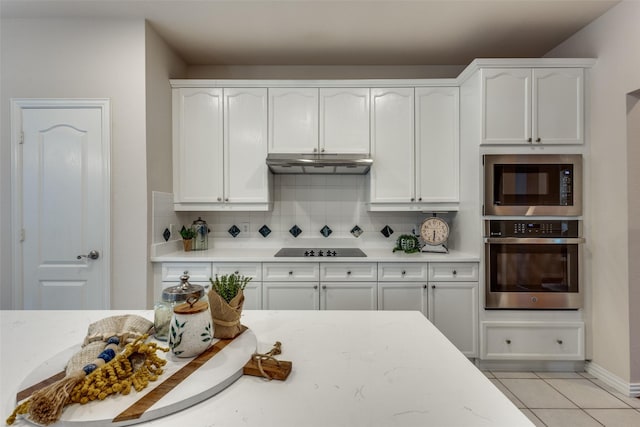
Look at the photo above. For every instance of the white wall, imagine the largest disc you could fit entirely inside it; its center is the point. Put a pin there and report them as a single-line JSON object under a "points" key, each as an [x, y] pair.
{"points": [[161, 65], [320, 72], [72, 58], [613, 39]]}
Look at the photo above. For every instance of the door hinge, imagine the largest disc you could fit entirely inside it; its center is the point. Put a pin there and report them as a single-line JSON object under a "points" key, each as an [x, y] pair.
{"points": [[22, 234]]}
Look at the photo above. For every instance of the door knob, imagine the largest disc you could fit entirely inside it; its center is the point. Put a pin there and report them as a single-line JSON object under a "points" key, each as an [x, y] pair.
{"points": [[91, 255]]}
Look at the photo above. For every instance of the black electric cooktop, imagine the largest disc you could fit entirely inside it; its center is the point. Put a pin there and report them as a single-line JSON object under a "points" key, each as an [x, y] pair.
{"points": [[320, 252]]}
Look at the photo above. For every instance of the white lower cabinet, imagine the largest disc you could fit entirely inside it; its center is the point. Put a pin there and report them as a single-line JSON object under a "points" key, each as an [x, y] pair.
{"points": [[532, 340], [348, 296], [290, 296], [403, 296], [453, 309], [198, 272], [253, 290]]}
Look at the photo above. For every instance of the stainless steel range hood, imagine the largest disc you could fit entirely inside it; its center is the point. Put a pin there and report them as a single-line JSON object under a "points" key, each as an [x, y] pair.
{"points": [[345, 164]]}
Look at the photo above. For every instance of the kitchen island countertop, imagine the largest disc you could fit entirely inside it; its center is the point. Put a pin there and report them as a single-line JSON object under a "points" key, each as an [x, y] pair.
{"points": [[369, 368]]}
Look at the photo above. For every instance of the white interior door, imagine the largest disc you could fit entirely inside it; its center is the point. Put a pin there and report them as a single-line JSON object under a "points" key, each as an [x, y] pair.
{"points": [[62, 194]]}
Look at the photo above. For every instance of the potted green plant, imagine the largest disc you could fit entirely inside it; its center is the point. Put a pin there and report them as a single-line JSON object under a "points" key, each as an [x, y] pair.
{"points": [[226, 298], [187, 237]]}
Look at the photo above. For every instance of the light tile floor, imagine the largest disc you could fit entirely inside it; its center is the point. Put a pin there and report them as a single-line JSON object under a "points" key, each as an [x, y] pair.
{"points": [[566, 399]]}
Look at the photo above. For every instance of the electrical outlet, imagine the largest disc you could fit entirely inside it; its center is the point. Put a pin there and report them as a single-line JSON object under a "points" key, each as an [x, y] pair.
{"points": [[244, 227], [172, 229]]}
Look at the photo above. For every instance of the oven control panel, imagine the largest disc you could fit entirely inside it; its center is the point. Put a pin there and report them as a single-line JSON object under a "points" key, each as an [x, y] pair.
{"points": [[532, 228]]}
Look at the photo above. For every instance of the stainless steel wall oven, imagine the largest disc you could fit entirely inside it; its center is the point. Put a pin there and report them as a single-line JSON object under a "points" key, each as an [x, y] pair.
{"points": [[533, 264]]}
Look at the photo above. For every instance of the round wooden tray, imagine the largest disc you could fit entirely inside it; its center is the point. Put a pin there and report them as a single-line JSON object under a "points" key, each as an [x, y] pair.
{"points": [[175, 392]]}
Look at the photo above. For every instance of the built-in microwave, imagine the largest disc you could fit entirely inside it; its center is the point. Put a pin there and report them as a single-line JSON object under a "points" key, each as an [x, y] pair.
{"points": [[533, 184]]}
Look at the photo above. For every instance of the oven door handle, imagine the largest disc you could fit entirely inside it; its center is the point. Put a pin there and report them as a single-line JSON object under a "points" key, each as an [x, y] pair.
{"points": [[535, 240]]}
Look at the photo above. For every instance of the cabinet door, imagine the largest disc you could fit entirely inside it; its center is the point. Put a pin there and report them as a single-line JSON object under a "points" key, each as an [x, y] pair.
{"points": [[392, 148], [290, 295], [293, 120], [437, 144], [402, 296], [344, 120], [558, 105], [253, 296], [245, 146], [197, 145], [506, 106], [348, 296], [453, 309]]}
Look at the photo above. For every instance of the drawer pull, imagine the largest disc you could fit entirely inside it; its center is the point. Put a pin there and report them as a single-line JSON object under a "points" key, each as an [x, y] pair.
{"points": [[507, 341], [454, 272], [403, 272], [348, 273], [324, 286], [433, 286], [291, 273], [559, 342], [315, 286], [425, 286], [236, 272]]}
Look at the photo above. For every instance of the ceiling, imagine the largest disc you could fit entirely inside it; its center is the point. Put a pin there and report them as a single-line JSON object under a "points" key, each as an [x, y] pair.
{"points": [[325, 32]]}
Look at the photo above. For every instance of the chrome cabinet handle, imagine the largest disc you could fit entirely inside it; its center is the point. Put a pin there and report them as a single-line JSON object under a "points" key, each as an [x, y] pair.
{"points": [[91, 255]]}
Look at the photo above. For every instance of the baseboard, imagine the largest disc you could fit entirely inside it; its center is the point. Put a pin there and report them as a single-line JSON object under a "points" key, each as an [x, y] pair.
{"points": [[531, 365], [609, 378]]}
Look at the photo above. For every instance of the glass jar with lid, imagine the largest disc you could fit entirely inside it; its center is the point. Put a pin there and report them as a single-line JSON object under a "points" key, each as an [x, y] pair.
{"points": [[171, 296]]}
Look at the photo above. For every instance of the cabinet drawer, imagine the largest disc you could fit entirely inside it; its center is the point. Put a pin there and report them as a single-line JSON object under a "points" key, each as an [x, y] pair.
{"points": [[247, 269], [532, 341], [412, 272], [293, 272], [197, 271], [453, 271], [348, 272]]}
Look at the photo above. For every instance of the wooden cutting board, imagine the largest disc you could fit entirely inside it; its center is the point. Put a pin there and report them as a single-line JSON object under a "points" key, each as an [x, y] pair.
{"points": [[210, 377]]}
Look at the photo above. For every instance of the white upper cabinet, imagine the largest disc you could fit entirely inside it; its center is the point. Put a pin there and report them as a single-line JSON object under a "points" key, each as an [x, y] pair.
{"points": [[219, 149], [344, 120], [437, 144], [558, 112], [246, 176], [532, 106], [293, 120], [197, 145], [392, 145], [325, 120], [415, 149]]}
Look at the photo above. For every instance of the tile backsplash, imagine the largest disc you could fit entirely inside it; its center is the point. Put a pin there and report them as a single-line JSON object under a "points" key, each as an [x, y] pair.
{"points": [[309, 202]]}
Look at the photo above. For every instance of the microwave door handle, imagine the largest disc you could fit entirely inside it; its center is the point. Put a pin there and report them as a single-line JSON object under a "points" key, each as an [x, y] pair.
{"points": [[535, 240]]}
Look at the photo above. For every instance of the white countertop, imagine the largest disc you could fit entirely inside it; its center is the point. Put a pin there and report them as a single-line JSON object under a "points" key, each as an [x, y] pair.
{"points": [[267, 255], [365, 368]]}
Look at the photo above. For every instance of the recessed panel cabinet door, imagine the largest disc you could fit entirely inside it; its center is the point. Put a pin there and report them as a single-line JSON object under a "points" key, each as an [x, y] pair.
{"points": [[506, 106], [437, 144], [197, 145], [453, 309], [392, 137], [293, 120], [344, 120], [558, 105], [290, 295], [246, 176]]}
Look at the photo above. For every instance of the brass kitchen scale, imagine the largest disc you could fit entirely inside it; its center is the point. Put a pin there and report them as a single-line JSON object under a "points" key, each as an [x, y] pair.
{"points": [[434, 232]]}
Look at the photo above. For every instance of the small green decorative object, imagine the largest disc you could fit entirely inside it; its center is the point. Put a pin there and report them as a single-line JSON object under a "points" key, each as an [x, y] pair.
{"points": [[407, 243], [187, 233], [228, 286]]}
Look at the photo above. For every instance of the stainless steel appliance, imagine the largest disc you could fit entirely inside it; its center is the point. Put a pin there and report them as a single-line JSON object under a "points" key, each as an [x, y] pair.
{"points": [[317, 252], [319, 163], [533, 264], [533, 184]]}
